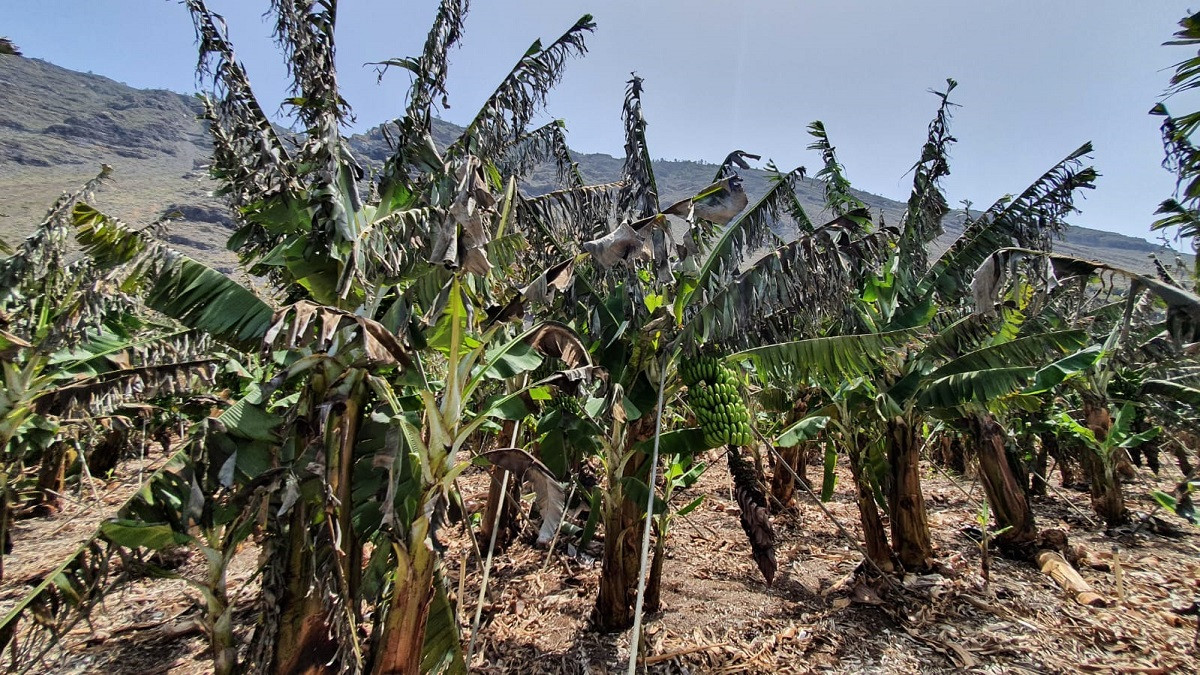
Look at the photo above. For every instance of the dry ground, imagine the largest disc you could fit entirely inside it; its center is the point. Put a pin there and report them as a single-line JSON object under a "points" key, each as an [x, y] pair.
{"points": [[718, 615]]}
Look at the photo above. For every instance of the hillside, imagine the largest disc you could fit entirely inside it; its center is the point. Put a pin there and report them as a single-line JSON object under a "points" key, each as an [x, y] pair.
{"points": [[57, 127]]}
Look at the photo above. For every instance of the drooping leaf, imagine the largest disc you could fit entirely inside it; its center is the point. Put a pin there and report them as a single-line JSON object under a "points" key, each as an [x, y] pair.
{"points": [[1054, 374], [1172, 390], [134, 534], [1031, 350], [840, 356], [802, 431], [188, 291], [977, 386]]}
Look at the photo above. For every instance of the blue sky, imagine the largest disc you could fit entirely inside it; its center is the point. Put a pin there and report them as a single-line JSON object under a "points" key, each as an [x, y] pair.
{"points": [[1036, 78]]}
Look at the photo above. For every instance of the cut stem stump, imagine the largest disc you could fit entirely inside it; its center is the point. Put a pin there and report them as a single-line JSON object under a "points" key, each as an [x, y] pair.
{"points": [[1056, 567]]}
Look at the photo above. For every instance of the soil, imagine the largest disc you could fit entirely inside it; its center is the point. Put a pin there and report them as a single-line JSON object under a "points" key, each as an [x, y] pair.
{"points": [[718, 615], [42, 544]]}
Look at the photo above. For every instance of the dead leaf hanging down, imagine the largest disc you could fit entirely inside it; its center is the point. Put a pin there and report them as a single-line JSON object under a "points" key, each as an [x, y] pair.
{"points": [[1183, 306], [550, 493], [105, 392], [622, 245], [738, 158], [379, 344], [718, 203], [559, 341], [541, 290], [462, 238], [660, 251], [616, 403], [557, 278], [569, 380]]}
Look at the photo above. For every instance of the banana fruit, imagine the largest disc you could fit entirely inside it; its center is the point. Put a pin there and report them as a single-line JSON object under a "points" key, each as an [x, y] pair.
{"points": [[714, 396]]}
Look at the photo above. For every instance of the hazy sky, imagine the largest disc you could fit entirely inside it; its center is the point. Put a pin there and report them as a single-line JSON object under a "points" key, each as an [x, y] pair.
{"points": [[1036, 78]]}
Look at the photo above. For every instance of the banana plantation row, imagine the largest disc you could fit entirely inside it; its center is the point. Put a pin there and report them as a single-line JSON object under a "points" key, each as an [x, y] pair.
{"points": [[426, 318]]}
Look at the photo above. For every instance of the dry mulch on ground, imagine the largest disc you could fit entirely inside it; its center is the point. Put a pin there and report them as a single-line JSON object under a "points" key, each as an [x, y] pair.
{"points": [[718, 616]]}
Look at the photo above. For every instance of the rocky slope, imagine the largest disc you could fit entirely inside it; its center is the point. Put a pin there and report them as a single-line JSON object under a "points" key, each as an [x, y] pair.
{"points": [[57, 127]]}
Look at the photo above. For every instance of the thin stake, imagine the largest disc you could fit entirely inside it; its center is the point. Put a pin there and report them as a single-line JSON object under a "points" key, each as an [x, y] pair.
{"points": [[955, 483], [1118, 572], [462, 582], [487, 565], [1065, 499], [817, 500], [557, 530], [487, 569], [142, 451], [635, 636]]}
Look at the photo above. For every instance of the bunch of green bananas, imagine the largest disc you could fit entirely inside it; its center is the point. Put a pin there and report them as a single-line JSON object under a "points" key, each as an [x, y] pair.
{"points": [[567, 405], [713, 395], [701, 368]]}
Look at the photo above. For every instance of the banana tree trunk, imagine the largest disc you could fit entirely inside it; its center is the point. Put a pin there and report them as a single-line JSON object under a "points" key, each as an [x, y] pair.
{"points": [[303, 643], [1107, 498], [874, 534], [1004, 494], [954, 453], [623, 523], [398, 647], [783, 483], [1062, 458], [219, 617], [906, 502], [51, 475], [619, 574], [505, 502], [1179, 448], [1041, 463], [106, 452], [340, 469]]}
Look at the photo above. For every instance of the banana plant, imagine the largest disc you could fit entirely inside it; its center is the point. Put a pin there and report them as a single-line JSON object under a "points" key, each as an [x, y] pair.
{"points": [[170, 510], [1119, 439], [709, 286], [780, 408], [352, 398], [450, 416], [1182, 157], [357, 287], [916, 308], [1144, 340], [76, 349], [183, 508]]}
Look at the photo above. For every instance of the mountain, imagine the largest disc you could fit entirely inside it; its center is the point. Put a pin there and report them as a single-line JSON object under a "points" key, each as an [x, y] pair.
{"points": [[57, 127]]}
